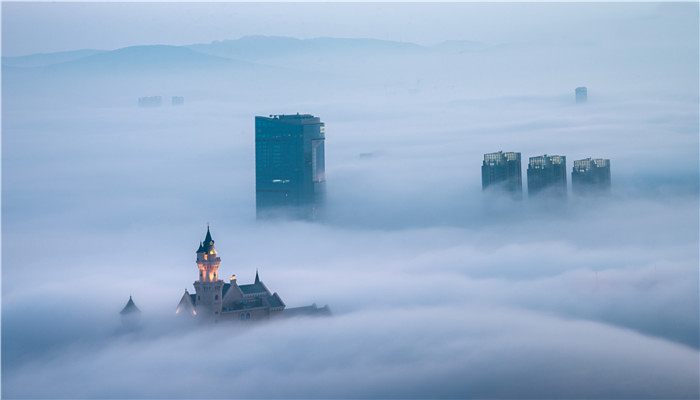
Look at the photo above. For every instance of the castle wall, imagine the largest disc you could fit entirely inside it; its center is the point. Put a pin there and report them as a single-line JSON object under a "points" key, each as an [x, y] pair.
{"points": [[208, 297]]}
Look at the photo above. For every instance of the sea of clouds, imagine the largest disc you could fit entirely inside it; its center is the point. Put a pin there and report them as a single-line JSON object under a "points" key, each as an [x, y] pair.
{"points": [[437, 289]]}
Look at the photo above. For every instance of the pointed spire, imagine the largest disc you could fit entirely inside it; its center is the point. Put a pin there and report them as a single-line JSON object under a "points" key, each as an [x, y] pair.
{"points": [[130, 307], [257, 277], [208, 241]]}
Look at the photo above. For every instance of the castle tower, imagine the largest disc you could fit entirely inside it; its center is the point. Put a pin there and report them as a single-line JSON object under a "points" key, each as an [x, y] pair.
{"points": [[208, 288], [131, 315]]}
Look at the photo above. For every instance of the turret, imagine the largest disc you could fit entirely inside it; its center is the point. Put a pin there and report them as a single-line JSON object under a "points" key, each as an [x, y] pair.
{"points": [[208, 287], [131, 315], [207, 260]]}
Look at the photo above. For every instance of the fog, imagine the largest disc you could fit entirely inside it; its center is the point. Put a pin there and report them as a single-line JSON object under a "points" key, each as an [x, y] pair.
{"points": [[437, 288]]}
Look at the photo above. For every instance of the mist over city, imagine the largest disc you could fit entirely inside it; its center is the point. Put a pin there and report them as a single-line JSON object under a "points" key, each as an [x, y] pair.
{"points": [[129, 132]]}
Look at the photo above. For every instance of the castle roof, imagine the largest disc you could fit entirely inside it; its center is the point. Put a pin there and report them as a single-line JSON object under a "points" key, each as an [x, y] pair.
{"points": [[225, 289], [129, 308], [246, 305], [256, 287], [208, 244], [275, 301], [253, 288]]}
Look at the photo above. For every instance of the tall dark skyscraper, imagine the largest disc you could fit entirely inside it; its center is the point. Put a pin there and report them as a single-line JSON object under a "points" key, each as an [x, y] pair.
{"points": [[289, 165], [590, 176], [502, 170], [547, 174]]}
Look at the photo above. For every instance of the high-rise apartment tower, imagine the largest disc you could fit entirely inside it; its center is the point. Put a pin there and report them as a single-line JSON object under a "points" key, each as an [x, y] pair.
{"points": [[502, 170], [590, 175], [547, 174], [289, 165]]}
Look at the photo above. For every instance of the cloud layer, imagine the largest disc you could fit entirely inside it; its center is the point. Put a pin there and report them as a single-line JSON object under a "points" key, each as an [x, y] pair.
{"points": [[438, 289]]}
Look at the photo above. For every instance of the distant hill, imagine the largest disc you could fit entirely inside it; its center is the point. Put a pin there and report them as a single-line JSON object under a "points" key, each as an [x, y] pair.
{"points": [[240, 52], [121, 76], [245, 67], [147, 58], [44, 59], [261, 48]]}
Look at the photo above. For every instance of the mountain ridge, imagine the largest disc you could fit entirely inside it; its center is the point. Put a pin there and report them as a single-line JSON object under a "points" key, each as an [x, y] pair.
{"points": [[250, 48]]}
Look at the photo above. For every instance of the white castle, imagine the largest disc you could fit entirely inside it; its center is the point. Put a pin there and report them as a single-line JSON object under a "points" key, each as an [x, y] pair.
{"points": [[216, 300]]}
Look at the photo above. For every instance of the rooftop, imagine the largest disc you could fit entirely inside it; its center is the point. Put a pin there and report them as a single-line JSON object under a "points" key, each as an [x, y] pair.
{"points": [[589, 163], [292, 119], [253, 288], [207, 245], [130, 307], [500, 157], [545, 160]]}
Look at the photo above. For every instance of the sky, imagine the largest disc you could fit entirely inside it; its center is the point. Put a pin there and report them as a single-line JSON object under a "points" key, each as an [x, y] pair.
{"points": [[437, 288], [70, 26]]}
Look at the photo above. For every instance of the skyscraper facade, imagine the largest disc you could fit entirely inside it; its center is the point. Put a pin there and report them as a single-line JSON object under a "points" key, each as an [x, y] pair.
{"points": [[289, 165], [547, 174], [502, 170], [590, 176]]}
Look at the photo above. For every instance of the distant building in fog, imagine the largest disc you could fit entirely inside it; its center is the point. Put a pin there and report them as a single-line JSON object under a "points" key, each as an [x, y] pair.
{"points": [[216, 300], [289, 165], [581, 94], [547, 174], [150, 101], [130, 314], [177, 100], [590, 176], [502, 170]]}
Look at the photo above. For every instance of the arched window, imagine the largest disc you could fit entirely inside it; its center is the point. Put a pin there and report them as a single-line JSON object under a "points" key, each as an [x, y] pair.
{"points": [[242, 316], [216, 297], [247, 315]]}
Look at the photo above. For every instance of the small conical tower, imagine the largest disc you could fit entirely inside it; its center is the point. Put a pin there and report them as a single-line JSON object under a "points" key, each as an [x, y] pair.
{"points": [[186, 306], [130, 307], [208, 287], [131, 315]]}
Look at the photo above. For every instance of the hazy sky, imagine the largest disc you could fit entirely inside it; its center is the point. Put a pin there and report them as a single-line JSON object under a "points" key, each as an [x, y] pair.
{"points": [[48, 27]]}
